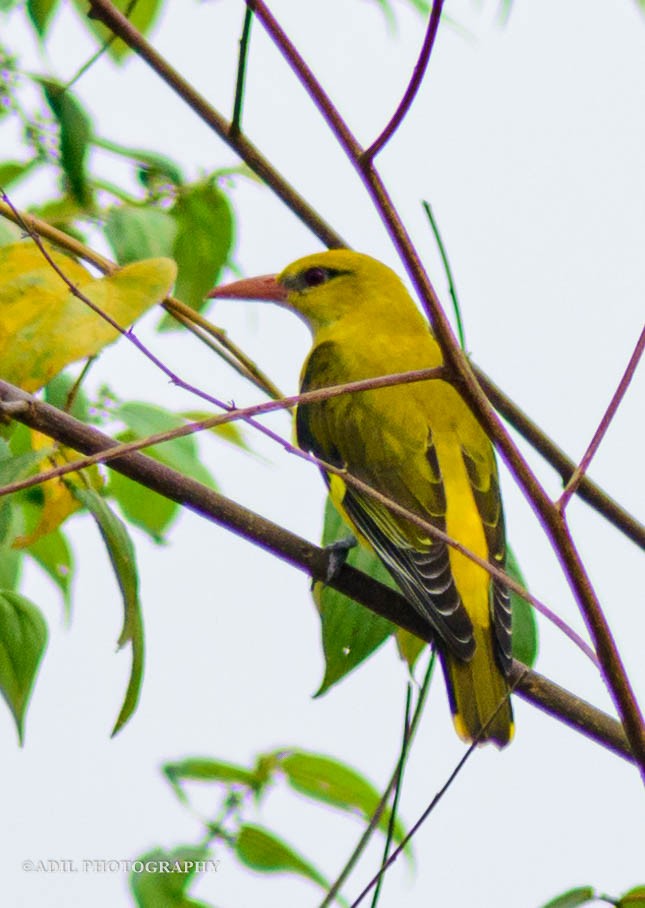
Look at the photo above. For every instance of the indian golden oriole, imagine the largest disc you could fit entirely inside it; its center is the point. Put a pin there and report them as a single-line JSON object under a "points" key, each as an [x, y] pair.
{"points": [[418, 444]]}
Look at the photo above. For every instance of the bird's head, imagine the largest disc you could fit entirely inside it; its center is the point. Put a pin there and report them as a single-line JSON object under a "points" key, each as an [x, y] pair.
{"points": [[325, 288]]}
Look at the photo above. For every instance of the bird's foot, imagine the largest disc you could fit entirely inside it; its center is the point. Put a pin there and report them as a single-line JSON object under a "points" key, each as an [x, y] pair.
{"points": [[338, 552]]}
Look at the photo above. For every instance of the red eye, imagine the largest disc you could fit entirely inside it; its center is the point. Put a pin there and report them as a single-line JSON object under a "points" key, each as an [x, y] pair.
{"points": [[315, 276]]}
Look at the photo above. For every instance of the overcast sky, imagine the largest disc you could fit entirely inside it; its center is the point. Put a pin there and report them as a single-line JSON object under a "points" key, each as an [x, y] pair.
{"points": [[528, 141]]}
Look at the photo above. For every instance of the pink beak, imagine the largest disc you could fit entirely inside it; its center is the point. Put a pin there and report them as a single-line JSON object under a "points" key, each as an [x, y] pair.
{"points": [[252, 288]]}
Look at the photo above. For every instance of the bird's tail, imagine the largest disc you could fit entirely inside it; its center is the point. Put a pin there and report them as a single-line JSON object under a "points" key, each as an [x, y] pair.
{"points": [[476, 689]]}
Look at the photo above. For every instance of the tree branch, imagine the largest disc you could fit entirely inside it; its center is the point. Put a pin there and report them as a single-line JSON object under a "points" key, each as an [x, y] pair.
{"points": [[609, 414], [296, 551], [413, 86]]}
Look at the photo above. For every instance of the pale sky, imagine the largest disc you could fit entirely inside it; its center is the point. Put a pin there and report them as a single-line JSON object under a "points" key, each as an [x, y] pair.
{"points": [[528, 143]]}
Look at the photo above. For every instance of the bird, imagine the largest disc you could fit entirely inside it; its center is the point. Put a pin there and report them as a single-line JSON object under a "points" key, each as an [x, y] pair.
{"points": [[419, 445]]}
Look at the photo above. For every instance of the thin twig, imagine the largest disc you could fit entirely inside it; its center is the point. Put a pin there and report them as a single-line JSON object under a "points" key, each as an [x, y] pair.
{"points": [[236, 121], [452, 287], [378, 813], [310, 559], [599, 434], [397, 793], [413, 86], [431, 806]]}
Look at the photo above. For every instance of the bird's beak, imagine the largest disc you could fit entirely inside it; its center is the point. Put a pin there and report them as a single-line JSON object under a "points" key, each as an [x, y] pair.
{"points": [[252, 288]]}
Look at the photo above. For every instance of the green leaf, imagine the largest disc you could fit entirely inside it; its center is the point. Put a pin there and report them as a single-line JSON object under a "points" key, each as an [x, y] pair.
{"points": [[634, 898], [350, 632], [159, 879], [204, 241], [142, 507], [181, 453], [23, 638], [573, 898], [57, 393], [9, 232], [138, 233], [261, 850], [40, 13], [195, 769], [10, 558], [525, 632], [332, 782], [53, 553], [121, 552], [227, 431], [75, 134], [142, 15], [12, 171]]}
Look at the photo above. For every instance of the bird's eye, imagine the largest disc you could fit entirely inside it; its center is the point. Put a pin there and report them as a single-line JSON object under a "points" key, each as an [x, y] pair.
{"points": [[315, 276]]}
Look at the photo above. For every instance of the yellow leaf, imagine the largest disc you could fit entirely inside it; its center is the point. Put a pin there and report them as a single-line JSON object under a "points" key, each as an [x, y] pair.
{"points": [[44, 327], [409, 646], [58, 501]]}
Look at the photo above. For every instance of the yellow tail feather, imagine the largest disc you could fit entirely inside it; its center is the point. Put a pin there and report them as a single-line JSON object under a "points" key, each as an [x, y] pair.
{"points": [[476, 689]]}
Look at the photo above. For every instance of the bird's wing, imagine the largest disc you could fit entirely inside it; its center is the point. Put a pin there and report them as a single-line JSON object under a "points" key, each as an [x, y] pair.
{"points": [[484, 481], [335, 431]]}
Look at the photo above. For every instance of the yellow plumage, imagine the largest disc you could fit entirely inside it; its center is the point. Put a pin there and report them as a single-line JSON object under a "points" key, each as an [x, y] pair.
{"points": [[418, 444]]}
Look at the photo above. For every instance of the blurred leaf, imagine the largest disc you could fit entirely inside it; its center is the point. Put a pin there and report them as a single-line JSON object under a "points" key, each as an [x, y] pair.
{"points": [[57, 393], [75, 134], [142, 507], [409, 645], [43, 327], [228, 431], [336, 784], [121, 552], [9, 232], [12, 171], [203, 770], [573, 898], [58, 501], [141, 14], [350, 632], [634, 898], [40, 13], [165, 876], [138, 233], [525, 632], [181, 453], [261, 850], [23, 638], [54, 555], [11, 524], [204, 241]]}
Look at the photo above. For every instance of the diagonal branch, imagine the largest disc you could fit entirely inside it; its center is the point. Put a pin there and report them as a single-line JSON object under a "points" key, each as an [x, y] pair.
{"points": [[296, 551], [599, 434], [248, 414]]}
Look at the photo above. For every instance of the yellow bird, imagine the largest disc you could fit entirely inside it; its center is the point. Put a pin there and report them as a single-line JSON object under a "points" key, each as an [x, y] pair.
{"points": [[418, 444]]}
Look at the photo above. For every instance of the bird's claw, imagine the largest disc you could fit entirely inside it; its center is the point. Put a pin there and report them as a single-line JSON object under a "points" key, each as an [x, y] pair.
{"points": [[337, 555]]}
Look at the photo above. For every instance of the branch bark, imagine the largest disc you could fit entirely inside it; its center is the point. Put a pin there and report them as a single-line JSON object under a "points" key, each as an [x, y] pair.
{"points": [[310, 559]]}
